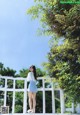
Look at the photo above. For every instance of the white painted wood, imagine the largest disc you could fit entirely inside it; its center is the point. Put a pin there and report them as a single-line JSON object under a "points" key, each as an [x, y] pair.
{"points": [[62, 101], [5, 92], [20, 78], [13, 102], [43, 89], [22, 90], [25, 97], [53, 99], [40, 114], [78, 108], [43, 96], [72, 107]]}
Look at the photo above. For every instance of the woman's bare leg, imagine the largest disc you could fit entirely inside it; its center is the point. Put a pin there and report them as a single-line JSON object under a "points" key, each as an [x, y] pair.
{"points": [[34, 101], [30, 100]]}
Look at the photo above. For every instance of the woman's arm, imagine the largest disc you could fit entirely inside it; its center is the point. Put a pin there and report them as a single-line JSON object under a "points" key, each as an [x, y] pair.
{"points": [[29, 76]]}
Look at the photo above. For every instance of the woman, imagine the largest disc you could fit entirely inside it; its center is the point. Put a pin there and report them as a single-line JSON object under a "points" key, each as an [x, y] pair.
{"points": [[32, 88]]}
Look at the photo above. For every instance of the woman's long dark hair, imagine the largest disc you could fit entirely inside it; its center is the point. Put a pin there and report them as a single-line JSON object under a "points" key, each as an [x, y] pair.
{"points": [[34, 71]]}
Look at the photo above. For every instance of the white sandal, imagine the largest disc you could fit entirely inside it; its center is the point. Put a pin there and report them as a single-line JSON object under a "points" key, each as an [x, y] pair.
{"points": [[33, 110], [29, 111]]}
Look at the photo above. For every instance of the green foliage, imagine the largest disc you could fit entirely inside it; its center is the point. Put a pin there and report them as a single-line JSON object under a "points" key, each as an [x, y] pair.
{"points": [[18, 109], [23, 73], [6, 71], [62, 20], [39, 102], [9, 100], [64, 66], [19, 84], [46, 12], [40, 73]]}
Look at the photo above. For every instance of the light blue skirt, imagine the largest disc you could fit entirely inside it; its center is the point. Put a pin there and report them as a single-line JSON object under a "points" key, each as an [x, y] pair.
{"points": [[32, 87]]}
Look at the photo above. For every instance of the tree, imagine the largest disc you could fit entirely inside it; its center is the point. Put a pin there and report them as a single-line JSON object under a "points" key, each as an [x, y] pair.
{"points": [[6, 71], [56, 18], [62, 20], [1, 66], [64, 66]]}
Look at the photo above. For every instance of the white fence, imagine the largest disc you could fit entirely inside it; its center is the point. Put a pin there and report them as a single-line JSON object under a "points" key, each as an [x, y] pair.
{"points": [[5, 89]]}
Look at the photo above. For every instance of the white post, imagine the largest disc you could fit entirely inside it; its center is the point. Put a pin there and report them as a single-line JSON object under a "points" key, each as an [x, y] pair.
{"points": [[78, 108], [62, 101], [13, 103], [53, 99], [25, 96], [72, 107], [43, 96], [5, 93]]}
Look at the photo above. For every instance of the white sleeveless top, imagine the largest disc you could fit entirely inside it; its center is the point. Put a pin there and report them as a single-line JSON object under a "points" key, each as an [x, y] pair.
{"points": [[30, 76]]}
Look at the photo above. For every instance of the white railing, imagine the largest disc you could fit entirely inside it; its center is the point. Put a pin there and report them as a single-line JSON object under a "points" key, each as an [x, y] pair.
{"points": [[43, 89]]}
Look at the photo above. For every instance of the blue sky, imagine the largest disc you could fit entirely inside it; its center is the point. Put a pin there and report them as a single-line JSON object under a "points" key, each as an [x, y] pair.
{"points": [[20, 46]]}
